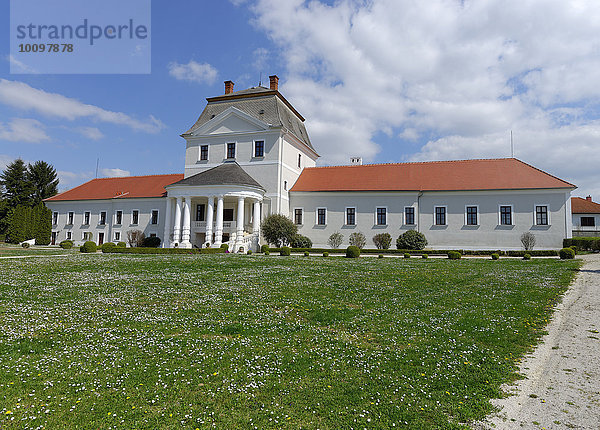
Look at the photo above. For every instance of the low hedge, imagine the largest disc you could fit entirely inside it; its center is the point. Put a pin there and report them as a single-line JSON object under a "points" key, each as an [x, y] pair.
{"points": [[106, 247], [477, 252], [583, 243], [285, 251], [119, 250], [454, 255], [66, 244]]}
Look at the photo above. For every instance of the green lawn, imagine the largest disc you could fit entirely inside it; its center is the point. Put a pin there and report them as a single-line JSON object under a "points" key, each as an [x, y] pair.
{"points": [[224, 341], [7, 250]]}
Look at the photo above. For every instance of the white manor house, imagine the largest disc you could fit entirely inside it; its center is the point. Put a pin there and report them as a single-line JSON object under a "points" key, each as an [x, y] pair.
{"points": [[249, 155]]}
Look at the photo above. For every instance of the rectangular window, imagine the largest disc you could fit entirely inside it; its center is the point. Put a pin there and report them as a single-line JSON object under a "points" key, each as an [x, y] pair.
{"points": [[119, 218], [55, 218], [154, 218], [505, 215], [381, 216], [350, 216], [541, 215], [471, 215], [69, 235], [299, 160], [409, 216], [204, 152], [117, 236], [285, 185], [259, 148], [440, 215], [87, 235], [86, 218], [200, 212], [298, 216], [102, 218], [71, 216], [231, 150], [321, 216], [588, 221], [135, 216], [227, 214]]}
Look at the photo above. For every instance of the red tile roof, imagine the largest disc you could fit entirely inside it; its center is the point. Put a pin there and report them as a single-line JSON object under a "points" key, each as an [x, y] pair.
{"points": [[491, 174], [583, 206], [119, 188]]}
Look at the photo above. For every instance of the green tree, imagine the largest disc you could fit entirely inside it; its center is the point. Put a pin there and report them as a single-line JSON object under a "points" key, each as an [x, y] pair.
{"points": [[278, 230], [17, 189], [44, 180], [42, 222]]}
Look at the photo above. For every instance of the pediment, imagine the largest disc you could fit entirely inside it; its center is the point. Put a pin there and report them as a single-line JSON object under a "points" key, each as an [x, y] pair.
{"points": [[231, 120]]}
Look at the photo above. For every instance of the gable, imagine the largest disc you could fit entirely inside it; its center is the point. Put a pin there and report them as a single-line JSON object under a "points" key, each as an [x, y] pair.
{"points": [[231, 120]]}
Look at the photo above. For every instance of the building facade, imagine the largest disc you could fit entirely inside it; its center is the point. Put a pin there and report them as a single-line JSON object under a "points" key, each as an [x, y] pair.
{"points": [[586, 217], [249, 155]]}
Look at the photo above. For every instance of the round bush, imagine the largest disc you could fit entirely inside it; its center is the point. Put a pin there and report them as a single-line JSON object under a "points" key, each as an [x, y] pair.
{"points": [[380, 256], [122, 245], [299, 241], [264, 249], [454, 255], [249, 252], [574, 248], [411, 239], [66, 244], [566, 254], [352, 251], [88, 246], [325, 254], [526, 257], [267, 252], [224, 246], [286, 251], [108, 246], [495, 256], [425, 256], [406, 255], [306, 253], [151, 242], [25, 245]]}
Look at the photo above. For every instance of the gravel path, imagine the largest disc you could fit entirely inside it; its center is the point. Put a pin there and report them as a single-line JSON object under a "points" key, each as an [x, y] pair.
{"points": [[562, 385]]}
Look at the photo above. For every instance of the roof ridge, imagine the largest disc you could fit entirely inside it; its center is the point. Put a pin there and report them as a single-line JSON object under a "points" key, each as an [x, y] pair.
{"points": [[136, 176], [419, 162]]}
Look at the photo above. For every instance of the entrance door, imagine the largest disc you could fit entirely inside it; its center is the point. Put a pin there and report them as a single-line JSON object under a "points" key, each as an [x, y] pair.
{"points": [[53, 242], [100, 238]]}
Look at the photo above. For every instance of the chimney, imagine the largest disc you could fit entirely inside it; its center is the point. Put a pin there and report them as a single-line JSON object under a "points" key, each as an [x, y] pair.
{"points": [[274, 82], [589, 198], [229, 87], [356, 161]]}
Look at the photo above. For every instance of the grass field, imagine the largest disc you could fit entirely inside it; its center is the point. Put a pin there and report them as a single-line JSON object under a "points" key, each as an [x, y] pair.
{"points": [[224, 341], [7, 250]]}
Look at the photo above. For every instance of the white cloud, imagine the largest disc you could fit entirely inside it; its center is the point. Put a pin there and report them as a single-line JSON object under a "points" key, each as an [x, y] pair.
{"points": [[114, 173], [193, 72], [261, 57], [90, 132], [22, 96], [69, 179], [5, 160], [465, 72], [23, 130]]}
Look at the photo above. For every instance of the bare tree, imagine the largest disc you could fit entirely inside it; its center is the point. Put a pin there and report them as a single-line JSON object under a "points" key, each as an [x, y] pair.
{"points": [[135, 237], [358, 239], [335, 240], [528, 240]]}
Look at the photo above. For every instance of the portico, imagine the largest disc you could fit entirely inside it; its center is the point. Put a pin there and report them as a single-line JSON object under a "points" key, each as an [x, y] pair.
{"points": [[220, 205]]}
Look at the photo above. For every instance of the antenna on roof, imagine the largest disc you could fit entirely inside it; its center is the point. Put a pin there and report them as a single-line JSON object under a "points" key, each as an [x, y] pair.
{"points": [[512, 146], [260, 80], [97, 164]]}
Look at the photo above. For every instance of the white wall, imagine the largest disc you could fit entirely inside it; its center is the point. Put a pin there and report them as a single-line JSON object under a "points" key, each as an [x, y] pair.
{"points": [[579, 228]]}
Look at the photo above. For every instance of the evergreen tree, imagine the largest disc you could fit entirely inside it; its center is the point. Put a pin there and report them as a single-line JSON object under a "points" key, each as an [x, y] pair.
{"points": [[44, 180], [42, 220], [17, 189]]}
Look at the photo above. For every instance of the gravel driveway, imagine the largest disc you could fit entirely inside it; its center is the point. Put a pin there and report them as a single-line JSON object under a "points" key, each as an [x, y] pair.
{"points": [[562, 385]]}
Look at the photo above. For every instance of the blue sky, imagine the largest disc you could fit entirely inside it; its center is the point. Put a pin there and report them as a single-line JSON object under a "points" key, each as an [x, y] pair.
{"points": [[388, 80]]}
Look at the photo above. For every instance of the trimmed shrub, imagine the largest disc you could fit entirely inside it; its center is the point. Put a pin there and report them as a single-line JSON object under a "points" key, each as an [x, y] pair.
{"points": [[151, 242], [249, 252], [574, 248], [278, 229], [122, 245], [412, 239], [299, 241], [566, 254], [335, 240], [382, 240], [526, 256], [88, 246], [325, 254], [380, 256], [352, 251], [306, 253], [286, 251], [224, 246], [25, 245], [264, 249], [454, 255], [358, 239], [118, 250], [66, 244], [108, 246], [406, 255], [267, 252], [495, 257], [425, 256]]}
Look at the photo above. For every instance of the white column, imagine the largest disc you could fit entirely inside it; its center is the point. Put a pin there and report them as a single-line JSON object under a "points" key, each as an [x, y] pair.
{"points": [[256, 217], [240, 220], [185, 232], [219, 226], [167, 233], [209, 219], [177, 225]]}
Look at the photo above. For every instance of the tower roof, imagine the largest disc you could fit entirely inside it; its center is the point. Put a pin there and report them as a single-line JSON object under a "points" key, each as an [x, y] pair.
{"points": [[228, 173]]}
